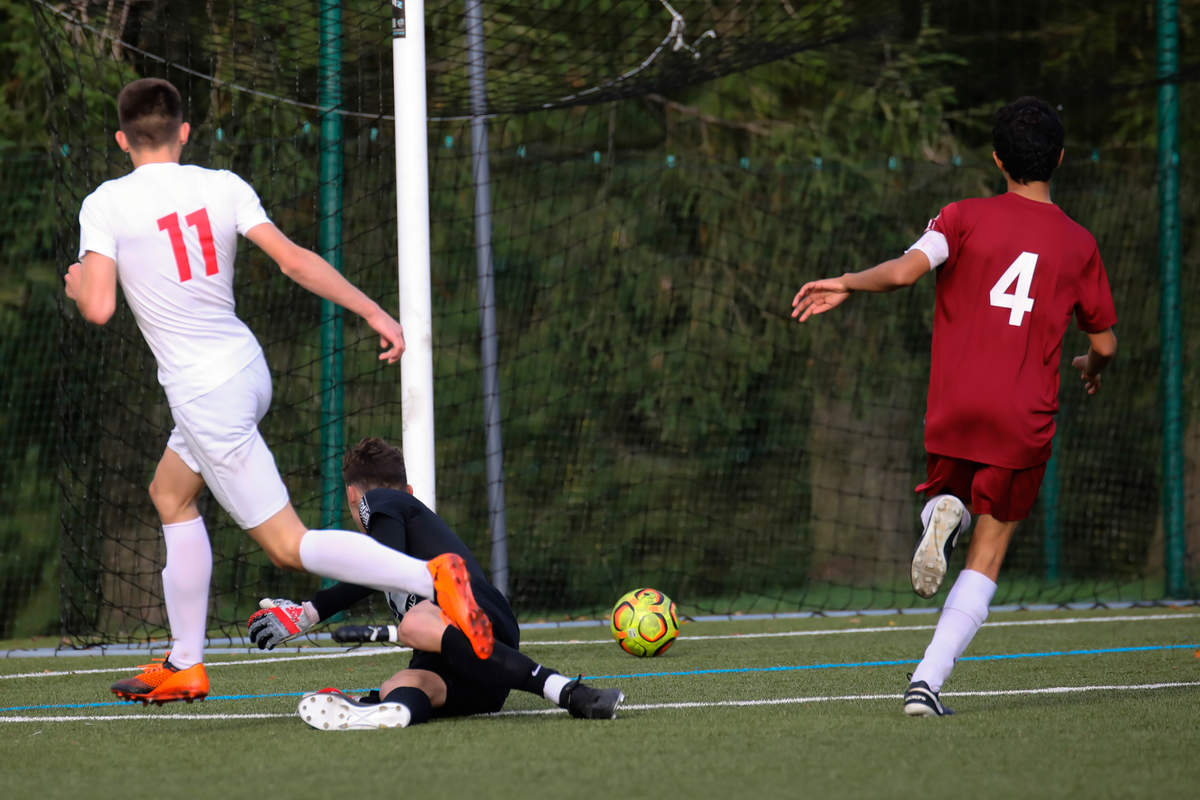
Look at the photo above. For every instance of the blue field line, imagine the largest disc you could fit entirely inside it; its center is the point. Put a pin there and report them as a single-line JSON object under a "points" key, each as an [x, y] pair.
{"points": [[896, 663], [1100, 651], [694, 672], [239, 646]]}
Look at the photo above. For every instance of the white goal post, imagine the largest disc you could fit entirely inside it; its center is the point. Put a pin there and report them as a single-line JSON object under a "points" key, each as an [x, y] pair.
{"points": [[412, 233]]}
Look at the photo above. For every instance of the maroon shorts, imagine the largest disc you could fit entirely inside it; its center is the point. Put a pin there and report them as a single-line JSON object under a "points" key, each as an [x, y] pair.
{"points": [[1006, 494]]}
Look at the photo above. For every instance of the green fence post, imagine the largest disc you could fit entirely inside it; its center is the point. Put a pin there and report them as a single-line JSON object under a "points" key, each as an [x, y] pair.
{"points": [[1172, 321], [1052, 536], [330, 246]]}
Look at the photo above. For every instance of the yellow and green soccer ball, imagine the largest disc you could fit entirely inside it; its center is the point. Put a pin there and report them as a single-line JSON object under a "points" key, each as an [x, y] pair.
{"points": [[644, 622]]}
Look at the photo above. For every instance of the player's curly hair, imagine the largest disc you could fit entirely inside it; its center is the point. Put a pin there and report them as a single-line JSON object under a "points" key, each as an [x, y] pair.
{"points": [[149, 111], [1027, 136], [372, 464]]}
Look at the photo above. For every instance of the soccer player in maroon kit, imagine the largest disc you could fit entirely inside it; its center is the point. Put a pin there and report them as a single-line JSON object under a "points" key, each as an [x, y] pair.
{"points": [[1011, 272]]}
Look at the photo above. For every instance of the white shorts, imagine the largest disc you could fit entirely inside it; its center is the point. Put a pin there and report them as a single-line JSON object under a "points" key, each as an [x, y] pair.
{"points": [[217, 436]]}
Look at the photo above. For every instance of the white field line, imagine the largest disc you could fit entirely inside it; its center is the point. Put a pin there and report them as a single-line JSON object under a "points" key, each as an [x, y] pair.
{"points": [[887, 629], [880, 629], [111, 717], [374, 651], [354, 653], [781, 701]]}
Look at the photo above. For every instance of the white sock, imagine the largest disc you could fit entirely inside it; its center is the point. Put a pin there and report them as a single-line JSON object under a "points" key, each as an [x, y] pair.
{"points": [[552, 691], [927, 512], [357, 558], [185, 589], [965, 610]]}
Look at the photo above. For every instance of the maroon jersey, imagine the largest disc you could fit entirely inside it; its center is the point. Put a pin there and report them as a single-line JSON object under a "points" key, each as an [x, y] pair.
{"points": [[1016, 273]]}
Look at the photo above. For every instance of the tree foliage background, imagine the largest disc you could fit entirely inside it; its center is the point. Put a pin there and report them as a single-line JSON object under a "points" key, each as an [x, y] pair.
{"points": [[663, 420]]}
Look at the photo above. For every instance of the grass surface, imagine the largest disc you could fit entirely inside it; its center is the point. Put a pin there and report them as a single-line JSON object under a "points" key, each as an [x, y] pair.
{"points": [[810, 712]]}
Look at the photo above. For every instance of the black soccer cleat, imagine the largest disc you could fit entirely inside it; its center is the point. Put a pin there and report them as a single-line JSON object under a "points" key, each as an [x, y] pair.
{"points": [[921, 701], [584, 702]]}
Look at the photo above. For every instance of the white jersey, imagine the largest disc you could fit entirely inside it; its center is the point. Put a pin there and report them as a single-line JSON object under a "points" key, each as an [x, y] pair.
{"points": [[172, 229]]}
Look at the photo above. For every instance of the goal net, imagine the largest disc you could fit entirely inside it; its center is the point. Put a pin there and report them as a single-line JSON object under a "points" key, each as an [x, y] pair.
{"points": [[664, 178]]}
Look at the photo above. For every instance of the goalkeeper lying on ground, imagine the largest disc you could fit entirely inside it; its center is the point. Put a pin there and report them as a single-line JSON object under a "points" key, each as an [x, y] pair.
{"points": [[444, 678]]}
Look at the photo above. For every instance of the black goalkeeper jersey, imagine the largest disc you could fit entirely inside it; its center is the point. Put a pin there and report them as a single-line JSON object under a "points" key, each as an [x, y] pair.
{"points": [[402, 522]]}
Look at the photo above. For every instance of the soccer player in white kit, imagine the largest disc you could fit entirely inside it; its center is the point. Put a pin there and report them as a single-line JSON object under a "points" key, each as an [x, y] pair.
{"points": [[168, 234]]}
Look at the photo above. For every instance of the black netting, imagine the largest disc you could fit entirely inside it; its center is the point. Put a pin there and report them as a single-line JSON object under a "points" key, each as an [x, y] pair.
{"points": [[659, 193]]}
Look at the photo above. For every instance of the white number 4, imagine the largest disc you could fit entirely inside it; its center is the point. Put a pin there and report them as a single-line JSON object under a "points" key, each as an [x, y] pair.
{"points": [[1018, 300]]}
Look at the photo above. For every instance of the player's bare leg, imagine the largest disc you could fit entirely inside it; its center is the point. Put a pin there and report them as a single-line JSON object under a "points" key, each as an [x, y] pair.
{"points": [[174, 489], [430, 683], [280, 536], [989, 543]]}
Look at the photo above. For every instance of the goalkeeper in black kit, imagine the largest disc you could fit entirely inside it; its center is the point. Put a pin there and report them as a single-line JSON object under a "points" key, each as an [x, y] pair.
{"points": [[444, 678]]}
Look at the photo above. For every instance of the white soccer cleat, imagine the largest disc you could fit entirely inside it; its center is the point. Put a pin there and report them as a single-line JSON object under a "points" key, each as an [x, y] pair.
{"points": [[330, 710], [932, 556]]}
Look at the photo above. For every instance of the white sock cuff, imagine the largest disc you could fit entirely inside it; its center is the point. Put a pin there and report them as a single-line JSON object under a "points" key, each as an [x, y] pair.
{"points": [[971, 594], [184, 528], [187, 545], [309, 552], [552, 691]]}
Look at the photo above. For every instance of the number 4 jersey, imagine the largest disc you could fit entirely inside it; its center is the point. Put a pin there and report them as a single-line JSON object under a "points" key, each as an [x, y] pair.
{"points": [[172, 230], [1013, 272]]}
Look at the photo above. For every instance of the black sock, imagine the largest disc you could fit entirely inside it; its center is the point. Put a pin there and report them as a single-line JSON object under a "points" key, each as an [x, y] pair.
{"points": [[508, 667], [417, 702]]}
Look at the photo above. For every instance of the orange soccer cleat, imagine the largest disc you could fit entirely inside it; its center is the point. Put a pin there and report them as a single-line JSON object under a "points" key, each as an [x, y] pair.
{"points": [[161, 682], [452, 593]]}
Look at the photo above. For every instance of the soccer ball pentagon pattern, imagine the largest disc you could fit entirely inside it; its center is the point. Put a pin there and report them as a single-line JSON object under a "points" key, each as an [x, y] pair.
{"points": [[644, 622]]}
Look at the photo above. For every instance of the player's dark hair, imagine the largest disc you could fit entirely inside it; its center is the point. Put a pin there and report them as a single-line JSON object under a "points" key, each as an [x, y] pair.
{"points": [[149, 111], [1027, 136], [372, 464]]}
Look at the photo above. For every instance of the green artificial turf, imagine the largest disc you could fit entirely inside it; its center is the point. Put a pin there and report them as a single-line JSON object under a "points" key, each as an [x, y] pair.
{"points": [[725, 713]]}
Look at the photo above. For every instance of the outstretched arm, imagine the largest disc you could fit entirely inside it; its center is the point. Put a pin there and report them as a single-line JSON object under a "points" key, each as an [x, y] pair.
{"points": [[318, 276], [817, 297], [280, 620], [338, 597], [1102, 347]]}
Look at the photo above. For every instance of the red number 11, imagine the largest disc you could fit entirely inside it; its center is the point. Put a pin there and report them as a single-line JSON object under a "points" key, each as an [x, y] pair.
{"points": [[199, 221]]}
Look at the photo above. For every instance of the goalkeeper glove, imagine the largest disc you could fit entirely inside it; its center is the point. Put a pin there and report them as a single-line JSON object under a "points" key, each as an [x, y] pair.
{"points": [[279, 621]]}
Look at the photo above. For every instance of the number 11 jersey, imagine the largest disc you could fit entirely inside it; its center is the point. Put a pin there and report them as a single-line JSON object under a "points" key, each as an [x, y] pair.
{"points": [[172, 230], [1017, 270]]}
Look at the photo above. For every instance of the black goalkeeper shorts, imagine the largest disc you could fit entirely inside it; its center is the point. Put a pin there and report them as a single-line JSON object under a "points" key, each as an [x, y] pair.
{"points": [[463, 696]]}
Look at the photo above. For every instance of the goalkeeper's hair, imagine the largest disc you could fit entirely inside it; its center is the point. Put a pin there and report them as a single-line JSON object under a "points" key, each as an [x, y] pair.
{"points": [[374, 464], [1027, 136], [149, 111]]}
